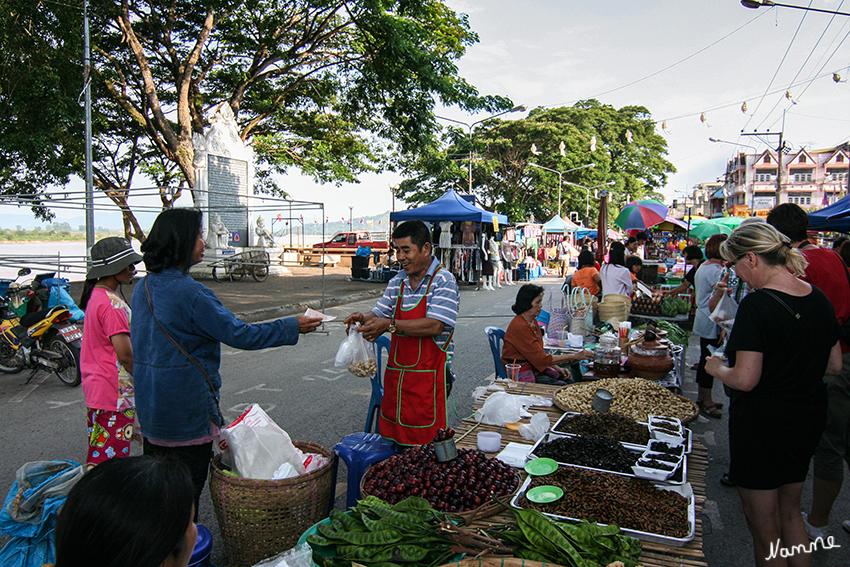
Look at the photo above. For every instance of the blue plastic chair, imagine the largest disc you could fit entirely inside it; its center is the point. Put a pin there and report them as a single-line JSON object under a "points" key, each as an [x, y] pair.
{"points": [[496, 337], [382, 343]]}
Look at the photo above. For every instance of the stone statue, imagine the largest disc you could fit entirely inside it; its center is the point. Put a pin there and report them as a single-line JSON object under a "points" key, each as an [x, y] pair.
{"points": [[263, 233], [218, 232]]}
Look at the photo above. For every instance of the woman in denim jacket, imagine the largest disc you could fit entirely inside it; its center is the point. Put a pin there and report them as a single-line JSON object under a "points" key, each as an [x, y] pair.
{"points": [[176, 405]]}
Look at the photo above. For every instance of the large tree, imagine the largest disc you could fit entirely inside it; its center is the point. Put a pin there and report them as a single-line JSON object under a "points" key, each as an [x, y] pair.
{"points": [[621, 142], [332, 88]]}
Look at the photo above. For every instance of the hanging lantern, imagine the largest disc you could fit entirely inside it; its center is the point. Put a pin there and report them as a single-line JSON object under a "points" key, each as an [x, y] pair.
{"points": [[534, 150], [593, 143], [744, 107], [629, 136], [562, 147]]}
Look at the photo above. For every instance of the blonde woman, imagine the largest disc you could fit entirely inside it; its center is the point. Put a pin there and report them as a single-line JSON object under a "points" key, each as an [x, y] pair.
{"points": [[784, 340]]}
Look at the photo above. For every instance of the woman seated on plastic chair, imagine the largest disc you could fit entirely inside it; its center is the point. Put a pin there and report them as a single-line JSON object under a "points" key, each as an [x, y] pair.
{"points": [[524, 343]]}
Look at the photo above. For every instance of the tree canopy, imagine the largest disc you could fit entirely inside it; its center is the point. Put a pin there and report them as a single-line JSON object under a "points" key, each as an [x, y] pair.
{"points": [[621, 142], [331, 88]]}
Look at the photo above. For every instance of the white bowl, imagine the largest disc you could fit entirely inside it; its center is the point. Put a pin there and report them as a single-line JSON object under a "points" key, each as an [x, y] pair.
{"points": [[489, 441]]}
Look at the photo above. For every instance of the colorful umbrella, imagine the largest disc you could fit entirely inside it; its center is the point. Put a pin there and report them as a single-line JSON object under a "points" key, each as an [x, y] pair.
{"points": [[641, 214], [708, 229]]}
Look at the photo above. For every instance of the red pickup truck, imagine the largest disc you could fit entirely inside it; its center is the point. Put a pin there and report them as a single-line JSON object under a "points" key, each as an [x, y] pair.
{"points": [[353, 240]]}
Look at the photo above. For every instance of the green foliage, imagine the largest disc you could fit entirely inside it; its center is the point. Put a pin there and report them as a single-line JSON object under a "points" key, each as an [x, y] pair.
{"points": [[503, 179]]}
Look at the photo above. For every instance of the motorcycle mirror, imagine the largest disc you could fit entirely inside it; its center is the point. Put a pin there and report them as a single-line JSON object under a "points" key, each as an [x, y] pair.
{"points": [[24, 272]]}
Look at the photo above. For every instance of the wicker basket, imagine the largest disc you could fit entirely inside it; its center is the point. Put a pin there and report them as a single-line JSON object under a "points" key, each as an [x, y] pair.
{"points": [[261, 518], [614, 306], [491, 508]]}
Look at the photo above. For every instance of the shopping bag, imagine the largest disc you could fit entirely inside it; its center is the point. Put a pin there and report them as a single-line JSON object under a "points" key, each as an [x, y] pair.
{"points": [[355, 353], [724, 312], [254, 446]]}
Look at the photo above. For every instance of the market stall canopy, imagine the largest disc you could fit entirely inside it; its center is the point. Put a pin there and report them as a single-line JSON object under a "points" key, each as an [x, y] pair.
{"points": [[591, 232], [449, 207], [731, 222], [695, 219], [641, 214], [709, 228], [560, 224], [671, 224], [835, 217]]}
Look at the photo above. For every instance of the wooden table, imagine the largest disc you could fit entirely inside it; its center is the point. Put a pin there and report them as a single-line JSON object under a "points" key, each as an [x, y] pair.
{"points": [[654, 554]]}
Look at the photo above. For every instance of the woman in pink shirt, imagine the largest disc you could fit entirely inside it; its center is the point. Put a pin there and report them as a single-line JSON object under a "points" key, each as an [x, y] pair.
{"points": [[106, 360]]}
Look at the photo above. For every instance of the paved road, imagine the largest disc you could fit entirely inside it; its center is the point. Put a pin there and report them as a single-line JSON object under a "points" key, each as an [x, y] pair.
{"points": [[300, 388]]}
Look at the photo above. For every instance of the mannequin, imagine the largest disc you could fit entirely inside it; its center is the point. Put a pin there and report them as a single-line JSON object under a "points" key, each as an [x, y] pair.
{"points": [[486, 265], [494, 259]]}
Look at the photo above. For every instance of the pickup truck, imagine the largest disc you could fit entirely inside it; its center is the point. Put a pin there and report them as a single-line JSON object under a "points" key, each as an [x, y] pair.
{"points": [[352, 240]]}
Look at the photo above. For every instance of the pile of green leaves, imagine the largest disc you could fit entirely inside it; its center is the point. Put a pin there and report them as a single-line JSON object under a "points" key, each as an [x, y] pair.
{"points": [[583, 544], [380, 535], [675, 333]]}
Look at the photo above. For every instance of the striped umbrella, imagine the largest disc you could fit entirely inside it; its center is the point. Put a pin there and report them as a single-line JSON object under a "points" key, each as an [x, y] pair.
{"points": [[641, 214]]}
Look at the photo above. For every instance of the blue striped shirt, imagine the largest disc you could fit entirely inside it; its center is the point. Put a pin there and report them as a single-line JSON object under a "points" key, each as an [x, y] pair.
{"points": [[443, 298]]}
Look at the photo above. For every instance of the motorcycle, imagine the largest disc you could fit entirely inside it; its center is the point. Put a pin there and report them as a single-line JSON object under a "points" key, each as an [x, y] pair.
{"points": [[46, 339]]}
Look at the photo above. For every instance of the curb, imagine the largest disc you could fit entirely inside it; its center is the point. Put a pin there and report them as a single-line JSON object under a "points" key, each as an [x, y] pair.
{"points": [[290, 309]]}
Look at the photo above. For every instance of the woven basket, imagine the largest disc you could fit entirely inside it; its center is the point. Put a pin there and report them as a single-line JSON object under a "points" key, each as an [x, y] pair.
{"points": [[261, 518], [491, 508], [614, 306]]}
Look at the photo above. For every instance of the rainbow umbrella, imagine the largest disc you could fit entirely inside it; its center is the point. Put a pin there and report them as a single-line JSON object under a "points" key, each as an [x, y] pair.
{"points": [[641, 214], [708, 229]]}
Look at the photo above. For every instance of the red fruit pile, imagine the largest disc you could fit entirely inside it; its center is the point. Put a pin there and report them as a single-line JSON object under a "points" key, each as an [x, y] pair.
{"points": [[459, 485]]}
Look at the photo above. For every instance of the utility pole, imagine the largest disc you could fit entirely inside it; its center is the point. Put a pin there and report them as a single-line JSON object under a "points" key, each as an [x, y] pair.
{"points": [[779, 149]]}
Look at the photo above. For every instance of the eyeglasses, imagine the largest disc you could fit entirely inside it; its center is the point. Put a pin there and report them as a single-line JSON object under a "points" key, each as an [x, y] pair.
{"points": [[738, 259]]}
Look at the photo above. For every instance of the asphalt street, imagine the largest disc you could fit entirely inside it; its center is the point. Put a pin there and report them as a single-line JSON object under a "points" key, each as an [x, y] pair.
{"points": [[300, 388]]}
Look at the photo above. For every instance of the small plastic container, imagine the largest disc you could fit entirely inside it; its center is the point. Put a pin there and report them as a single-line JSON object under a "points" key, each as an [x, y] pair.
{"points": [[649, 473], [489, 441]]}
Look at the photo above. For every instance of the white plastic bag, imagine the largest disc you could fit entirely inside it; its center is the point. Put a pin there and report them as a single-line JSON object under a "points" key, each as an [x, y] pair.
{"points": [[299, 556], [724, 312], [536, 429], [355, 353], [499, 409], [255, 447]]}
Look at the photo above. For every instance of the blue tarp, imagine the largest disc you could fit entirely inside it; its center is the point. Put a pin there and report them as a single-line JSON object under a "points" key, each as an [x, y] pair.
{"points": [[560, 224], [449, 207], [821, 221]]}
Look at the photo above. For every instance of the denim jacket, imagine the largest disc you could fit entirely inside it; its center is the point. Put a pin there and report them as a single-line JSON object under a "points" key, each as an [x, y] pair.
{"points": [[173, 400]]}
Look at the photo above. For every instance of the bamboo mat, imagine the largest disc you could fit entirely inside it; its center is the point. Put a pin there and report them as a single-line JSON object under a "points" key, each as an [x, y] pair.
{"points": [[654, 554]]}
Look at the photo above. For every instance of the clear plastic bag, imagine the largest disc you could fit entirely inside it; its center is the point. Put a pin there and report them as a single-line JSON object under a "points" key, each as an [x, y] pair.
{"points": [[355, 353], [724, 316]]}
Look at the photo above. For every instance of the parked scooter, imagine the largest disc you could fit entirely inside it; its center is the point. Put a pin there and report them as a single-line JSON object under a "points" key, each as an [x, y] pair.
{"points": [[46, 339]]}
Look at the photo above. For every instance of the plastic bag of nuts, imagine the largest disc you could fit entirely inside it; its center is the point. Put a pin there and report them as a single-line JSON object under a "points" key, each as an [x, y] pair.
{"points": [[355, 353]]}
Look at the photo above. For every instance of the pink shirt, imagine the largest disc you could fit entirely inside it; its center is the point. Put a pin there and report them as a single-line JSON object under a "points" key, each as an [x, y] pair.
{"points": [[106, 383]]}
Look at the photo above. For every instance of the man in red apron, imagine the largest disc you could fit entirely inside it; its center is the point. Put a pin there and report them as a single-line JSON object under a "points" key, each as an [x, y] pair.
{"points": [[419, 310]]}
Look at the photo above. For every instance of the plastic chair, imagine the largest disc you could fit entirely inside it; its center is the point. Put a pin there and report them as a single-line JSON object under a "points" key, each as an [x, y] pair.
{"points": [[382, 343], [359, 450], [496, 336]]}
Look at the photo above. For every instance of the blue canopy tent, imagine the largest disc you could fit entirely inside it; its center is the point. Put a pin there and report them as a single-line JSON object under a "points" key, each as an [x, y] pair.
{"points": [[449, 207], [835, 217]]}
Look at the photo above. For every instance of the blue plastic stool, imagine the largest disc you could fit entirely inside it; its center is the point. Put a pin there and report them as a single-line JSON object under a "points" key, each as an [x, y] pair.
{"points": [[359, 450]]}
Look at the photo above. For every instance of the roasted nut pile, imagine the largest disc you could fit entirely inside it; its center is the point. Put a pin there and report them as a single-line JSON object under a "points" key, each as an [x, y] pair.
{"points": [[633, 397], [615, 426], [627, 502], [364, 368]]}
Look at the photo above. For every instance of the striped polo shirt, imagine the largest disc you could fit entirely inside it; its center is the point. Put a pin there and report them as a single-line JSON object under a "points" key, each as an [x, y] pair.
{"points": [[443, 298]]}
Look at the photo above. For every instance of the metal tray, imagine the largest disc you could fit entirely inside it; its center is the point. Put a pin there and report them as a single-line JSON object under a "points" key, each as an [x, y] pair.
{"points": [[635, 448], [688, 434], [685, 490]]}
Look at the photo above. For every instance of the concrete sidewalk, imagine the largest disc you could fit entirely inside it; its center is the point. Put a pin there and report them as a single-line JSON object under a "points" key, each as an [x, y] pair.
{"points": [[280, 296]]}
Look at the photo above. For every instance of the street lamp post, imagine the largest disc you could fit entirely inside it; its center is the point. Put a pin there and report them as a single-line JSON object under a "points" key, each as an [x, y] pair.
{"points": [[519, 108], [756, 4], [350, 210], [561, 177], [726, 181], [587, 197]]}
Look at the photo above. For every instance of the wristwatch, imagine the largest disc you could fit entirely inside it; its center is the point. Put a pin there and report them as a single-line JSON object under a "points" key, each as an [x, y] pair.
{"points": [[391, 328]]}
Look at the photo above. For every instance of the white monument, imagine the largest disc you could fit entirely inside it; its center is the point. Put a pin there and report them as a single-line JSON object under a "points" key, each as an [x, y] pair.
{"points": [[218, 232], [263, 234]]}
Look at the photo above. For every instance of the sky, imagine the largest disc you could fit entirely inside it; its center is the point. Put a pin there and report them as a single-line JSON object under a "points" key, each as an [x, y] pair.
{"points": [[684, 60]]}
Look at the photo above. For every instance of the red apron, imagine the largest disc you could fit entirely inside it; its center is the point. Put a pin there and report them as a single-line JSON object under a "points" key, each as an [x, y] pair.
{"points": [[414, 404]]}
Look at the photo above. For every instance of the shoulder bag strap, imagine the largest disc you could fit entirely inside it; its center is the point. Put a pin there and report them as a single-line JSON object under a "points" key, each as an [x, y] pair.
{"points": [[793, 313], [185, 353]]}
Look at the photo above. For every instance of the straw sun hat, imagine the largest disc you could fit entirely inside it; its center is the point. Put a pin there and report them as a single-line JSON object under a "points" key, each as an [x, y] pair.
{"points": [[109, 256]]}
